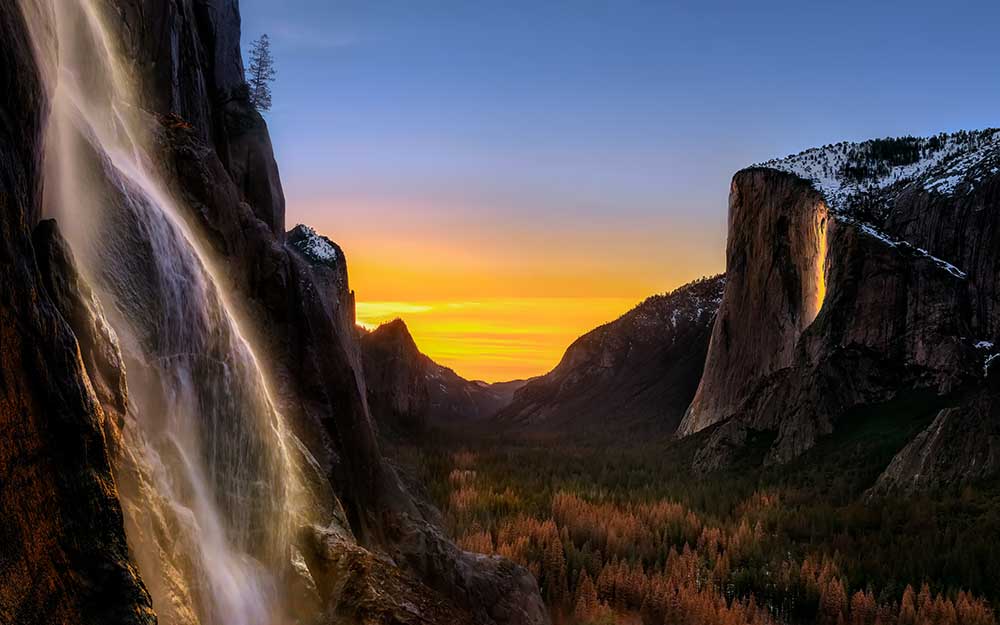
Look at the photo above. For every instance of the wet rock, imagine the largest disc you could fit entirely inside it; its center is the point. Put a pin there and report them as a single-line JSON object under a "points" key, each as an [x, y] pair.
{"points": [[64, 556], [188, 54], [102, 357]]}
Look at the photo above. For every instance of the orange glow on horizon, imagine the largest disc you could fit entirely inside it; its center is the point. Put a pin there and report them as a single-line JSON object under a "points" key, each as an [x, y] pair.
{"points": [[497, 339], [496, 296]]}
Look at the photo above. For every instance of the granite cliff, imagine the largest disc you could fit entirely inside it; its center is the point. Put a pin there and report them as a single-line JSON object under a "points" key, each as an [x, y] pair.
{"points": [[859, 273]]}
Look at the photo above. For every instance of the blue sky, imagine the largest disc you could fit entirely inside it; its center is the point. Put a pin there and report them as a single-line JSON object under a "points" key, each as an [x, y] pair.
{"points": [[599, 137], [641, 107]]}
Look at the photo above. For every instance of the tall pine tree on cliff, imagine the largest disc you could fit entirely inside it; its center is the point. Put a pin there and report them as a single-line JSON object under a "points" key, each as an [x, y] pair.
{"points": [[260, 73]]}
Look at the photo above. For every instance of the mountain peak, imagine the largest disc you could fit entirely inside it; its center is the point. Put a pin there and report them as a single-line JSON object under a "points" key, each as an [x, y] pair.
{"points": [[393, 335]]}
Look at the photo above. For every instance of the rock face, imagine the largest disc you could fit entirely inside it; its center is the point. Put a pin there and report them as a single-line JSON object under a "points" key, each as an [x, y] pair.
{"points": [[961, 445], [408, 392], [396, 374], [775, 260], [64, 553], [899, 238], [638, 372], [297, 306], [188, 51]]}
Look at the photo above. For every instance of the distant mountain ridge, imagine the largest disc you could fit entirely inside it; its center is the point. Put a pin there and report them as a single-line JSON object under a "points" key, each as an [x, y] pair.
{"points": [[637, 372], [408, 391]]}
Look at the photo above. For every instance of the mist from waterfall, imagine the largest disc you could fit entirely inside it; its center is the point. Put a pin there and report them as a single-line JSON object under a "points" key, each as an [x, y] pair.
{"points": [[207, 486]]}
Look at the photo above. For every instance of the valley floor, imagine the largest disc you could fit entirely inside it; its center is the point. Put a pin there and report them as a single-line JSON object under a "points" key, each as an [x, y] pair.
{"points": [[621, 533]]}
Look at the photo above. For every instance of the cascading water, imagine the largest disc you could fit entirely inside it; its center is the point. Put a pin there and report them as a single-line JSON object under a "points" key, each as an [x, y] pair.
{"points": [[210, 504]]}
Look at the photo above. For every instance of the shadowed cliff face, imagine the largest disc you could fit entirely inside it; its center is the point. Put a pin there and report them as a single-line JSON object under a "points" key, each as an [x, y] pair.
{"points": [[961, 445], [905, 303], [188, 51], [64, 555], [637, 373], [408, 392], [396, 375]]}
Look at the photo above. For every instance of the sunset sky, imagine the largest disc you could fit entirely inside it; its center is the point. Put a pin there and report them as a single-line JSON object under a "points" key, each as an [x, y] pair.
{"points": [[506, 176]]}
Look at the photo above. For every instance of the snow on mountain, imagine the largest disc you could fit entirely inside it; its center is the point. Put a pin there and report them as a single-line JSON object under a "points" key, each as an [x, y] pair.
{"points": [[859, 179], [313, 245], [940, 262]]}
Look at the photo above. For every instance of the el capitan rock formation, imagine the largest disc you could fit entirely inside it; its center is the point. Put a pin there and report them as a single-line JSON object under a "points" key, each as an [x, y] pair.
{"points": [[902, 237]]}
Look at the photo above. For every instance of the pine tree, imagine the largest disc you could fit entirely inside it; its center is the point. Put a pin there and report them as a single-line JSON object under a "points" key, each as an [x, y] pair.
{"points": [[554, 570], [260, 73], [832, 602], [908, 609], [586, 598]]}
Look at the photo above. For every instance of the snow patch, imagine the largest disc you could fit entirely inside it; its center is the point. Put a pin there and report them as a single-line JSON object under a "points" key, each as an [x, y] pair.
{"points": [[881, 236], [848, 173], [986, 363], [315, 246]]}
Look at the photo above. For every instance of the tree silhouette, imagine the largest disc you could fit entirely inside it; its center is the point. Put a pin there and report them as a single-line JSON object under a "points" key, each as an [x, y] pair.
{"points": [[260, 73]]}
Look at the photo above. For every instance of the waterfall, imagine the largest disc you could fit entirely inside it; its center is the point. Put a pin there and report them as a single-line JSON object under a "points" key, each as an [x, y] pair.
{"points": [[210, 493]]}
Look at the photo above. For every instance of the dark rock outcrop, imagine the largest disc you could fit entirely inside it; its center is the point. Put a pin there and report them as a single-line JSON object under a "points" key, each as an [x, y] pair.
{"points": [[188, 53], [63, 554], [961, 446], [407, 391], [638, 372], [359, 587], [395, 372]]}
